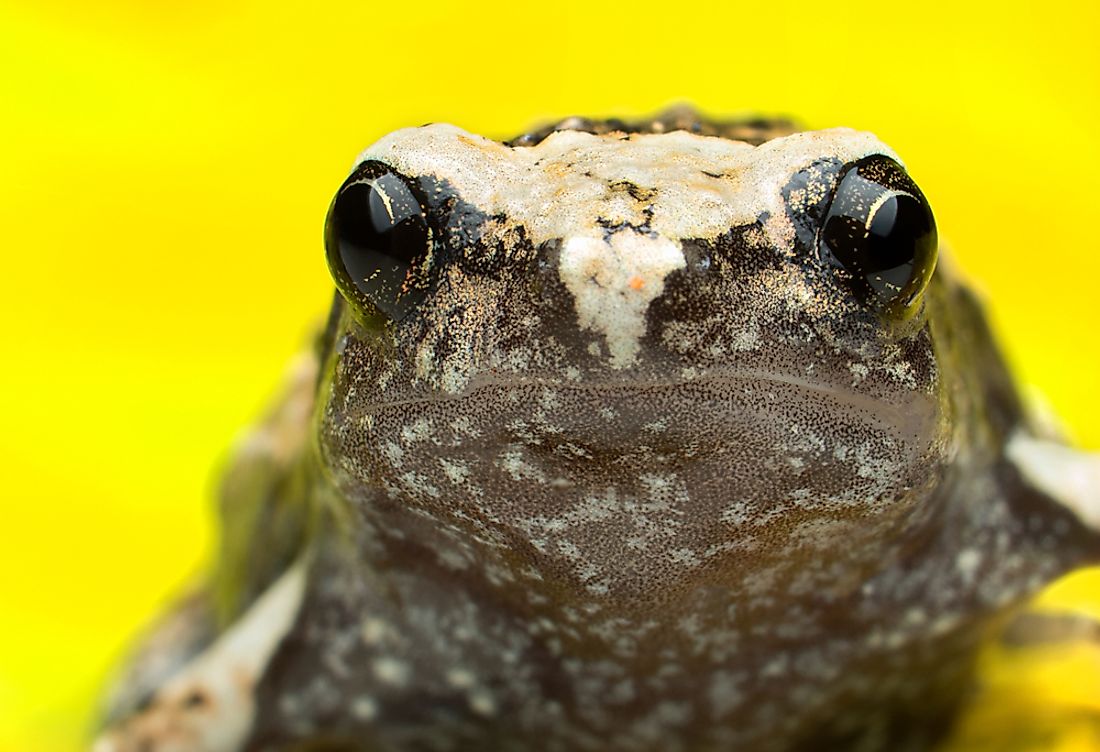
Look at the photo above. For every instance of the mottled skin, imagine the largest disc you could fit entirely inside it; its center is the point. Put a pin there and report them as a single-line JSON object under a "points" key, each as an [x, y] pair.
{"points": [[773, 520]]}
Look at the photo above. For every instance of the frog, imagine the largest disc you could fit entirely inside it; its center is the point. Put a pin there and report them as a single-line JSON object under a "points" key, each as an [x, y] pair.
{"points": [[673, 434]]}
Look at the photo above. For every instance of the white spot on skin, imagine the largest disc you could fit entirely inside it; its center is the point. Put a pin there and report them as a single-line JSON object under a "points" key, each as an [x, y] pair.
{"points": [[967, 562], [223, 676], [460, 678], [425, 358], [736, 514], [482, 703], [364, 708], [916, 616], [684, 556], [463, 426], [569, 550], [374, 631], [449, 557], [748, 338], [417, 484], [549, 400], [1069, 476], [724, 692], [614, 282], [393, 453], [512, 462], [456, 471], [391, 671], [420, 430], [943, 624]]}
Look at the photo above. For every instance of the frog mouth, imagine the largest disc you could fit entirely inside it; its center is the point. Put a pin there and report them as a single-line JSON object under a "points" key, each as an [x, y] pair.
{"points": [[614, 477], [730, 411], [887, 409]]}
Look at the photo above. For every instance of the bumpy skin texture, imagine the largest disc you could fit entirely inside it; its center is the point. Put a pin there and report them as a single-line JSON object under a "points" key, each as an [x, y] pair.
{"points": [[630, 477]]}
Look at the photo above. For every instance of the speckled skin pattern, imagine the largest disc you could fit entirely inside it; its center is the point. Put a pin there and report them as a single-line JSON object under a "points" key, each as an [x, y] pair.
{"points": [[766, 520]]}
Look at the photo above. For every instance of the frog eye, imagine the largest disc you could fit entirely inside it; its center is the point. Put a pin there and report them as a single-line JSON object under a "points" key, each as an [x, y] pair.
{"points": [[879, 230], [377, 241]]}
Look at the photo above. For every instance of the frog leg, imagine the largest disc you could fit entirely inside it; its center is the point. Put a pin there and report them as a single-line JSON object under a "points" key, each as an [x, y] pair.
{"points": [[209, 705], [263, 501], [1068, 476], [171, 643], [1035, 687]]}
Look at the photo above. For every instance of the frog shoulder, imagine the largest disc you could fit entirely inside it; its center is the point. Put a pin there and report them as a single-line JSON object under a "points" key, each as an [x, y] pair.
{"points": [[264, 493], [208, 703], [1068, 477], [262, 499], [169, 644]]}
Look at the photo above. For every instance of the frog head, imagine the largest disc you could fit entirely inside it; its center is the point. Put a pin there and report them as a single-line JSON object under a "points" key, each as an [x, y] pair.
{"points": [[640, 363]]}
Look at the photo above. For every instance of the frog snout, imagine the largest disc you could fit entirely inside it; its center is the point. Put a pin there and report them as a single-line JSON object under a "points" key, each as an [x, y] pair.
{"points": [[613, 278]]}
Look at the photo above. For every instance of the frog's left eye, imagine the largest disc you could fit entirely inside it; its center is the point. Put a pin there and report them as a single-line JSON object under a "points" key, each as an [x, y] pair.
{"points": [[377, 241], [879, 229]]}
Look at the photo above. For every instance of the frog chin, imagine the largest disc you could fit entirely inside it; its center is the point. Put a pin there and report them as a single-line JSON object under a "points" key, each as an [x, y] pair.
{"points": [[634, 491]]}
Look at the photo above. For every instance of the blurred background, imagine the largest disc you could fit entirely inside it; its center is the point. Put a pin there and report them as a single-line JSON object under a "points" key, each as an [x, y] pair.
{"points": [[165, 168]]}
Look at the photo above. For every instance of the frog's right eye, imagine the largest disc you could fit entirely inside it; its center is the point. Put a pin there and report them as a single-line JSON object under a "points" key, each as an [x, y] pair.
{"points": [[377, 241], [879, 229]]}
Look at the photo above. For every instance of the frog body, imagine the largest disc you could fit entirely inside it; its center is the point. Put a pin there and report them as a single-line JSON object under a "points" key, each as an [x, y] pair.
{"points": [[651, 436]]}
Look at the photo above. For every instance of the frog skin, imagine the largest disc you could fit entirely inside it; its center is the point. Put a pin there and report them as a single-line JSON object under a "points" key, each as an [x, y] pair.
{"points": [[621, 437]]}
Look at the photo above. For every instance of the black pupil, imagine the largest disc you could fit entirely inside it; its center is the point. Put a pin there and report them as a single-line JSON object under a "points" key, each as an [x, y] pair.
{"points": [[880, 230], [377, 240]]}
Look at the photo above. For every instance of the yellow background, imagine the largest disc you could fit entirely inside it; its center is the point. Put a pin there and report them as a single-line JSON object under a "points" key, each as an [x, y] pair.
{"points": [[165, 168]]}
